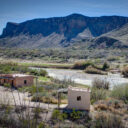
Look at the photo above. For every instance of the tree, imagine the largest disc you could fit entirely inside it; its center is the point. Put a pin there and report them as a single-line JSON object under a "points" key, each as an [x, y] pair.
{"points": [[105, 66]]}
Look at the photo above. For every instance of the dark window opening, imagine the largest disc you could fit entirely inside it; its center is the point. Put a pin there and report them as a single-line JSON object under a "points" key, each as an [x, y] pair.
{"points": [[25, 81], [78, 98]]}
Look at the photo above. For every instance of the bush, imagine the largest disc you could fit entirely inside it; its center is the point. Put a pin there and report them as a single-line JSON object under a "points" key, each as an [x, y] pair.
{"points": [[105, 66], [125, 72], [112, 105], [98, 94], [108, 121], [59, 116], [7, 85], [38, 72], [43, 72], [101, 84], [120, 92], [82, 65], [113, 58], [92, 70]]}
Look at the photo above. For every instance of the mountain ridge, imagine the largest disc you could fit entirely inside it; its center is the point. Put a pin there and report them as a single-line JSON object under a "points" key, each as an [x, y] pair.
{"points": [[58, 31]]}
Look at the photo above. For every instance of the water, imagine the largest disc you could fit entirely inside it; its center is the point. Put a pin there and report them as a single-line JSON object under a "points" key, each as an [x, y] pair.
{"points": [[80, 77]]}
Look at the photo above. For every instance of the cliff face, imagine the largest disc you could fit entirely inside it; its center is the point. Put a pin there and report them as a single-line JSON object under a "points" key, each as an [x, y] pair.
{"points": [[58, 31]]}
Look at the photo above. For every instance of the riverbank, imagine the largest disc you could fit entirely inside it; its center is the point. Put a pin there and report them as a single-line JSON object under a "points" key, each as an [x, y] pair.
{"points": [[78, 76], [37, 63]]}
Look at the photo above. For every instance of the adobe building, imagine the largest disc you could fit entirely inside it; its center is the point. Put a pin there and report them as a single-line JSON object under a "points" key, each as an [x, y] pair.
{"points": [[17, 80], [78, 98]]}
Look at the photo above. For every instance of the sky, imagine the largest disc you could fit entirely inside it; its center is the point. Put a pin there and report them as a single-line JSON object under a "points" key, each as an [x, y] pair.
{"points": [[22, 10]]}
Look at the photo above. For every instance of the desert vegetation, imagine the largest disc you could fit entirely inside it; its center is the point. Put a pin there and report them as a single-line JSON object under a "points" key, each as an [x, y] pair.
{"points": [[66, 55], [110, 107], [125, 71], [10, 67], [91, 67]]}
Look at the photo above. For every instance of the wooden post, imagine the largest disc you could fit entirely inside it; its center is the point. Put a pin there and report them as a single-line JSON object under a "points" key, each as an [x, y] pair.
{"points": [[59, 99]]}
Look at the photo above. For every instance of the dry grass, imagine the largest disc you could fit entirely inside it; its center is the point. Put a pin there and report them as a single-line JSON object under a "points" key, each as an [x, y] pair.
{"points": [[101, 84], [113, 106], [92, 70], [107, 120]]}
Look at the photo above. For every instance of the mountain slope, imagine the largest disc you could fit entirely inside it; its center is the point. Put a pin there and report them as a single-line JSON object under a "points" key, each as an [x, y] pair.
{"points": [[121, 34], [117, 38], [58, 31]]}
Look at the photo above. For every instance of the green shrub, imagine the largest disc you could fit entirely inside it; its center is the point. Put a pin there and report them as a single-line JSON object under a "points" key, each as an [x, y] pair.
{"points": [[43, 72], [75, 115], [7, 85], [105, 66], [125, 72], [120, 92], [38, 72], [98, 94], [92, 70], [113, 58], [59, 116], [82, 65]]}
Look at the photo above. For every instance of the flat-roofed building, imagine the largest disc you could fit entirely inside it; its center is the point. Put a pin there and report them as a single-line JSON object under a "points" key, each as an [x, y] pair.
{"points": [[17, 80], [78, 98]]}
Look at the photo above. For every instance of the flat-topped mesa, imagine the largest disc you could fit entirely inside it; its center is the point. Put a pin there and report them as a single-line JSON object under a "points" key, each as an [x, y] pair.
{"points": [[58, 31]]}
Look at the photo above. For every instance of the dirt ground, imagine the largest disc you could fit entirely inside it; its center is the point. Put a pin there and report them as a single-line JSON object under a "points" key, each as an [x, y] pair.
{"points": [[16, 98]]}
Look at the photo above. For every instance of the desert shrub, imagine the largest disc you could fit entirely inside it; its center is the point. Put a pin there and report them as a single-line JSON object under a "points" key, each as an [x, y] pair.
{"points": [[38, 72], [7, 85], [82, 65], [92, 70], [45, 98], [105, 66], [34, 72], [43, 125], [120, 92], [37, 112], [58, 115], [125, 71], [101, 84], [32, 89], [113, 58], [43, 73], [113, 105], [63, 83], [75, 115], [103, 120], [98, 94]]}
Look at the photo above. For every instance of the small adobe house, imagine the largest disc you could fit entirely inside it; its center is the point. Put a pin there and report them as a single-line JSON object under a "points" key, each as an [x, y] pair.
{"points": [[17, 80], [78, 98]]}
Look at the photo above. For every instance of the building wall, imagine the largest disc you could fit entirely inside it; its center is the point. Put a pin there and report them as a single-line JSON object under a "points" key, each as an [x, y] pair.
{"points": [[3, 81], [83, 104], [19, 81]]}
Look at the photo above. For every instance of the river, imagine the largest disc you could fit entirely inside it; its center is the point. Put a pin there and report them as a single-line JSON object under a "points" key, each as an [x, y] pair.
{"points": [[78, 76]]}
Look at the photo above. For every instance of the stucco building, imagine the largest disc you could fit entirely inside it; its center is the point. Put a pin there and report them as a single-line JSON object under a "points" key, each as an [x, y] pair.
{"points": [[78, 98], [17, 80]]}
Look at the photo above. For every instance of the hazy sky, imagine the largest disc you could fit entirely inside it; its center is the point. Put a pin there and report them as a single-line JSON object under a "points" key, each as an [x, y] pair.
{"points": [[22, 10]]}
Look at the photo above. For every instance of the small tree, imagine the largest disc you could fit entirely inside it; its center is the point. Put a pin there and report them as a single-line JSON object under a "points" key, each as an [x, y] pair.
{"points": [[105, 66], [75, 115], [58, 116]]}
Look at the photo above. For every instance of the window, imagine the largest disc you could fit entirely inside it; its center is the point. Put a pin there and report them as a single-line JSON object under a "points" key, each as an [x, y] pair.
{"points": [[25, 81], [78, 98]]}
